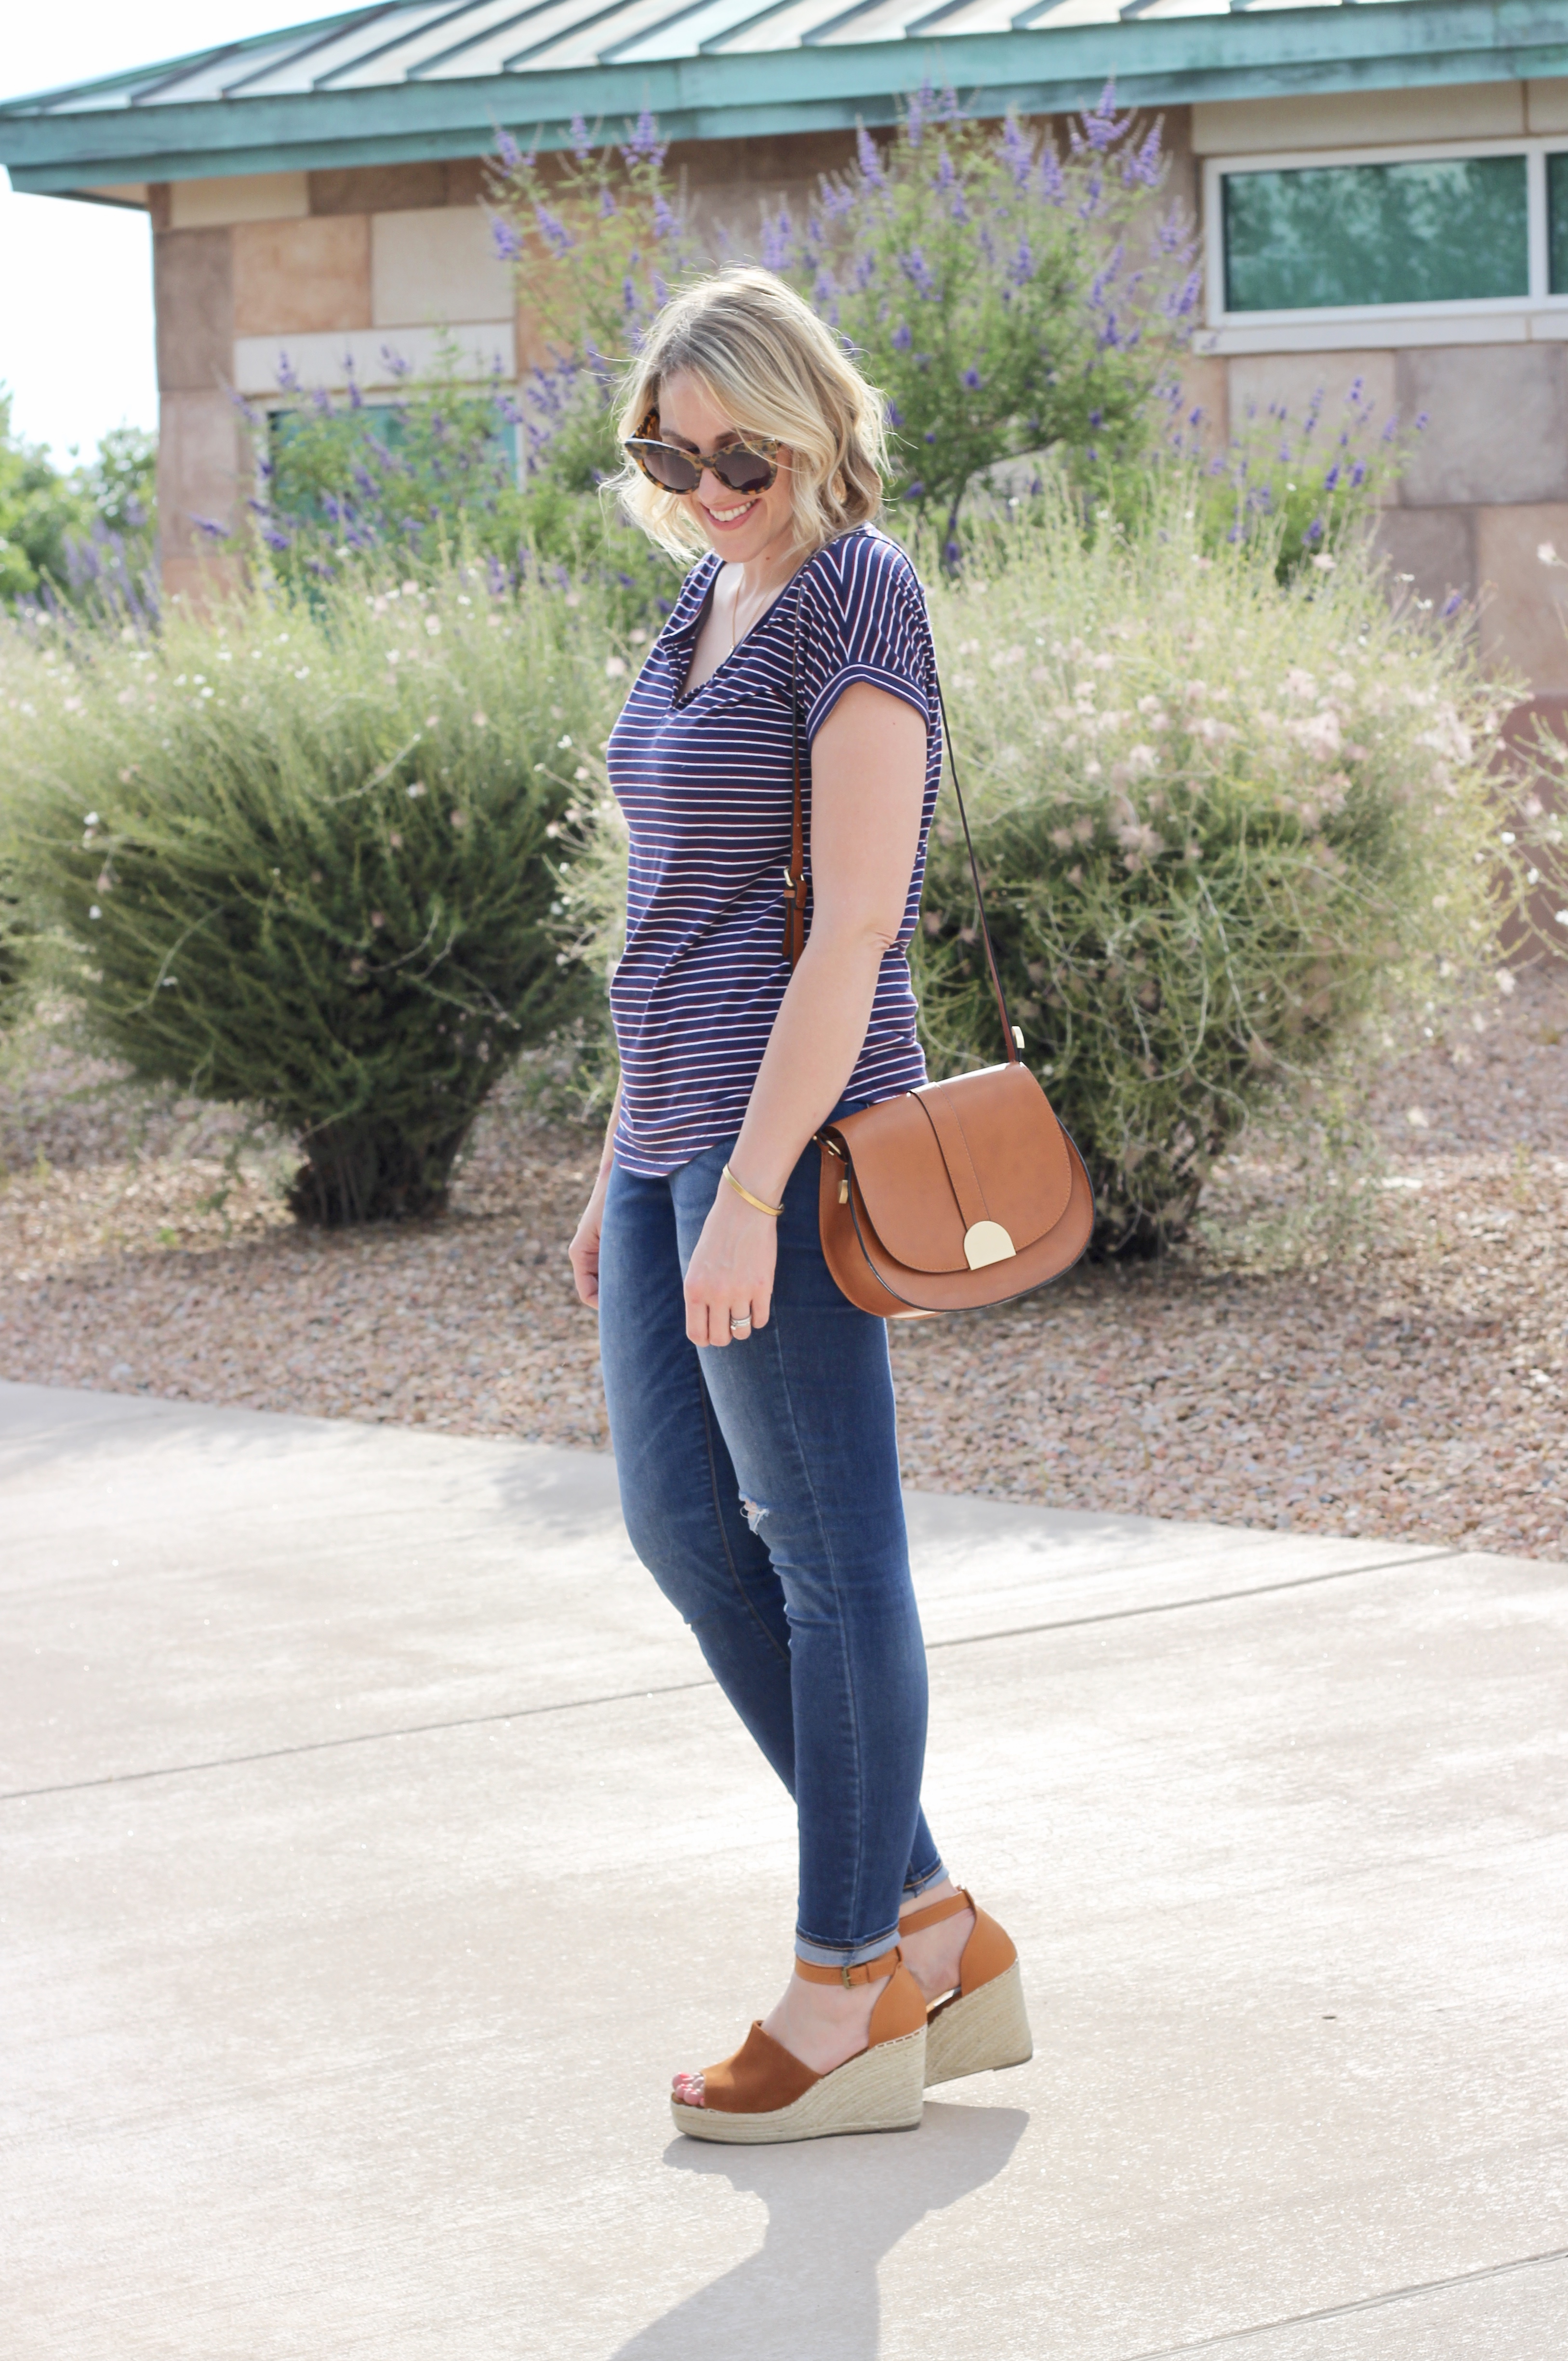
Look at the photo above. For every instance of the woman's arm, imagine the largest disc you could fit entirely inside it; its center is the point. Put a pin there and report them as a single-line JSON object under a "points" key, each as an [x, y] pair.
{"points": [[584, 1251], [867, 779]]}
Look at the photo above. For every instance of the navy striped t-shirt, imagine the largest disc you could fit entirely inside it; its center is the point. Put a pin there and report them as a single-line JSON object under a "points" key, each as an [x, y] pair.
{"points": [[705, 784]]}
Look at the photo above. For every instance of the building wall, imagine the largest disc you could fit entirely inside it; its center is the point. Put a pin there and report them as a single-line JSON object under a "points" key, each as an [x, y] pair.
{"points": [[1487, 481], [325, 268]]}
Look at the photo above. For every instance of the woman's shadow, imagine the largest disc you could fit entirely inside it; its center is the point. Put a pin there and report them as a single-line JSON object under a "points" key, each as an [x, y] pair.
{"points": [[835, 2208]]}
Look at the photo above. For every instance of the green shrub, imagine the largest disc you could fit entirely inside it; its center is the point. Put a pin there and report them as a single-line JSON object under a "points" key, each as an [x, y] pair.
{"points": [[292, 854], [1221, 819]]}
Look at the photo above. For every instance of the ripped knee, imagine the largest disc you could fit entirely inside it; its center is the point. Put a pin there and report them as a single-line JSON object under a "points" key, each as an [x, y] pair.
{"points": [[755, 1511]]}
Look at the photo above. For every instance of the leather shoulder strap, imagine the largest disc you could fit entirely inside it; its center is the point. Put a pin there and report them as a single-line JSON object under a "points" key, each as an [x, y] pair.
{"points": [[794, 880]]}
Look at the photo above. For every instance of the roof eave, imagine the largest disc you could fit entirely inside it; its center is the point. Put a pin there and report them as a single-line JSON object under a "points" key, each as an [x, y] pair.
{"points": [[1168, 61]]}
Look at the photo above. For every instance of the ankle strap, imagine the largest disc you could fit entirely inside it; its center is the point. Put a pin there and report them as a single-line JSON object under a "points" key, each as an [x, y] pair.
{"points": [[869, 1971], [936, 1912]]}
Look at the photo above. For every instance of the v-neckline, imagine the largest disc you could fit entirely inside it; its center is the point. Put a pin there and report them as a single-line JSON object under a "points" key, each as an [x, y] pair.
{"points": [[692, 632]]}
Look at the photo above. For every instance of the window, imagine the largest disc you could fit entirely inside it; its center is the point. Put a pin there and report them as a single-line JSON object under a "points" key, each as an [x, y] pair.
{"points": [[1419, 233], [1421, 229]]}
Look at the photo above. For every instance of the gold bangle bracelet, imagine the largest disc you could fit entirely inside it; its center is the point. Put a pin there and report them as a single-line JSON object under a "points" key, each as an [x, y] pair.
{"points": [[761, 1204]]}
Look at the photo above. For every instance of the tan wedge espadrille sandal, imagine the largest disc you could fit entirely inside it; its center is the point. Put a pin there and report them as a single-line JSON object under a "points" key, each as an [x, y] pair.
{"points": [[765, 2092], [983, 2024]]}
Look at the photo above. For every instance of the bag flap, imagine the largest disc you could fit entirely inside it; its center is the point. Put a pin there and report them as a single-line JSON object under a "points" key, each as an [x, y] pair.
{"points": [[995, 1152]]}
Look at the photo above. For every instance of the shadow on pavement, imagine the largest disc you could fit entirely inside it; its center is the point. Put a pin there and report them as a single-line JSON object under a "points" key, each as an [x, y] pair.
{"points": [[835, 2208]]}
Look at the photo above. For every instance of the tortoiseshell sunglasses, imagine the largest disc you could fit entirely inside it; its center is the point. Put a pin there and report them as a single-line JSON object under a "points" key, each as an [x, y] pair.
{"points": [[744, 467]]}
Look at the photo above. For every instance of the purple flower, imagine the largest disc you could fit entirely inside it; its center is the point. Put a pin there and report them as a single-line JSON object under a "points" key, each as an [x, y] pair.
{"points": [[287, 375], [894, 414], [903, 336], [970, 378], [1016, 150], [644, 144], [211, 527], [607, 206], [1314, 530], [582, 146], [1450, 606], [1021, 270], [509, 152], [838, 198], [1141, 168], [921, 107], [778, 241], [1330, 481], [1357, 476], [915, 489], [1101, 127], [1423, 420], [917, 271], [504, 239], [869, 160], [553, 231], [1053, 187], [666, 221], [394, 362]]}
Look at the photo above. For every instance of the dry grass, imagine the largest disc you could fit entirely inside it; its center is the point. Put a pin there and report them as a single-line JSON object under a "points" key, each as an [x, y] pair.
{"points": [[1411, 1382]]}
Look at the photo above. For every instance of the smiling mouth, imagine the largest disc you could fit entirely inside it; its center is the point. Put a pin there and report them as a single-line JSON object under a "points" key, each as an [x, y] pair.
{"points": [[730, 516]]}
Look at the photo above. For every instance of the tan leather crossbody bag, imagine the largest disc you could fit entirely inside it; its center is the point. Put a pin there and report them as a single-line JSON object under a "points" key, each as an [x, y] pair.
{"points": [[962, 1193]]}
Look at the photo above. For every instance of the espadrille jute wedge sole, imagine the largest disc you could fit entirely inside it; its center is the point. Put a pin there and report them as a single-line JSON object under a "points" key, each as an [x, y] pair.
{"points": [[981, 2033], [880, 2090], [765, 2093], [984, 2026]]}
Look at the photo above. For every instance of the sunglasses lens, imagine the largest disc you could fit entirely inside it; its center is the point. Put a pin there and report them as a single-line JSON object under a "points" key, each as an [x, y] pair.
{"points": [[671, 468], [743, 471]]}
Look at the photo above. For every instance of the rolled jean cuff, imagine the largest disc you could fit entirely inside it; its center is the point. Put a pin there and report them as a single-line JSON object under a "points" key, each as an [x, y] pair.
{"points": [[844, 1955], [920, 1879]]}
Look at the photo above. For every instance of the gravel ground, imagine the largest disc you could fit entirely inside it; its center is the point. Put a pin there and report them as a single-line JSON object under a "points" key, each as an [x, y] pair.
{"points": [[1403, 1377]]}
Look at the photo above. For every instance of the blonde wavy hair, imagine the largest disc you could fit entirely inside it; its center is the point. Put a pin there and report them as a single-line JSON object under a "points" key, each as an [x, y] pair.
{"points": [[765, 359]]}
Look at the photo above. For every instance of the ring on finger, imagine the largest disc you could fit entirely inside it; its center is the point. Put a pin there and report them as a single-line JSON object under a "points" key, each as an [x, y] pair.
{"points": [[740, 1324]]}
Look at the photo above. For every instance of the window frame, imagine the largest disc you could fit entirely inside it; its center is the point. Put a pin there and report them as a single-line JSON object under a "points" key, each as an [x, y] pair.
{"points": [[1480, 308]]}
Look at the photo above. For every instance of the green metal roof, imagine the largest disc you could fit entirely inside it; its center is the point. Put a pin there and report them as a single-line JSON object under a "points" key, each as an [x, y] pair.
{"points": [[416, 79]]}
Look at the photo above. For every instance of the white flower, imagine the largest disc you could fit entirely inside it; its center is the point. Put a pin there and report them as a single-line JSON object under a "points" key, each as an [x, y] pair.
{"points": [[94, 912], [1324, 561], [481, 721], [90, 820], [1563, 918], [565, 740], [416, 787], [1417, 1118], [1505, 984], [1298, 682], [1141, 761], [615, 667], [1546, 553], [433, 625]]}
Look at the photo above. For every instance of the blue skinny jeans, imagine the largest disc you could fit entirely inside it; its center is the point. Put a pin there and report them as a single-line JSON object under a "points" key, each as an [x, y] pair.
{"points": [[760, 1488]]}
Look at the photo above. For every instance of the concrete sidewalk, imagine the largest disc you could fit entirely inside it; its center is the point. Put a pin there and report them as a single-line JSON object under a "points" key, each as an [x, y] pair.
{"points": [[373, 1845]]}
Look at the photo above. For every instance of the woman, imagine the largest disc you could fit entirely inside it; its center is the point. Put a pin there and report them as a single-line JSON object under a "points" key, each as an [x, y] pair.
{"points": [[750, 1405]]}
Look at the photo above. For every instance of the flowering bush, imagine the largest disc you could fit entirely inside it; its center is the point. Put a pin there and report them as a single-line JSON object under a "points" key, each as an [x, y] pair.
{"points": [[1287, 488], [344, 483], [1003, 297], [292, 854], [1221, 819], [87, 537]]}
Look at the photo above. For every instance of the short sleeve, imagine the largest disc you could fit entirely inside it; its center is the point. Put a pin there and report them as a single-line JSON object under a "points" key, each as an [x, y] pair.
{"points": [[863, 617]]}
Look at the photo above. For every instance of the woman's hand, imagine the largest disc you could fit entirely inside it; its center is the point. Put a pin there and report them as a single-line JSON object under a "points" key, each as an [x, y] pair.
{"points": [[584, 1250], [731, 1273]]}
